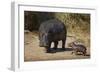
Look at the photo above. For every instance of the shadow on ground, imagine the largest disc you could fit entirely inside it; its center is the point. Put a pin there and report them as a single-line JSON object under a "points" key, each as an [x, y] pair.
{"points": [[53, 50], [82, 54]]}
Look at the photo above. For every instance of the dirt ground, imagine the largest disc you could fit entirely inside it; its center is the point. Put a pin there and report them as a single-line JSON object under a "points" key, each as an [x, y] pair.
{"points": [[32, 51]]}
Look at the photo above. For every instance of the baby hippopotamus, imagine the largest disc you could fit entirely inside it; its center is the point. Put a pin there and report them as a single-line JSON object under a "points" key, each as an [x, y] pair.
{"points": [[78, 48]]}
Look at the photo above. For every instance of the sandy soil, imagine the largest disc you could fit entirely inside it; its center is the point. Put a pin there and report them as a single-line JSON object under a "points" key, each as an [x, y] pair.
{"points": [[32, 51]]}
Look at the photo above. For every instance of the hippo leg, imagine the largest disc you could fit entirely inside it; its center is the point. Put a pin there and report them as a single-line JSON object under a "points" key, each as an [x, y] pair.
{"points": [[63, 44], [50, 50], [55, 44], [84, 53]]}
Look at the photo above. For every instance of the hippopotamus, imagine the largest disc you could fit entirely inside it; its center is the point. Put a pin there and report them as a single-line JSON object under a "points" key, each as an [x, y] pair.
{"points": [[52, 30]]}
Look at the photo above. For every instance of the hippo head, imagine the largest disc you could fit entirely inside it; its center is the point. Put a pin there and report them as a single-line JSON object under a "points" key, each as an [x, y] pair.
{"points": [[43, 37]]}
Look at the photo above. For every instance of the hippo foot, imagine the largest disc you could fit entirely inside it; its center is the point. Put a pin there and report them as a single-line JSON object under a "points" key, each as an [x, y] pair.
{"points": [[51, 51], [54, 48], [63, 49]]}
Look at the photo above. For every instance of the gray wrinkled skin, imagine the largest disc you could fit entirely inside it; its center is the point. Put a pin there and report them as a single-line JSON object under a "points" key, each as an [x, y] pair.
{"points": [[52, 31]]}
